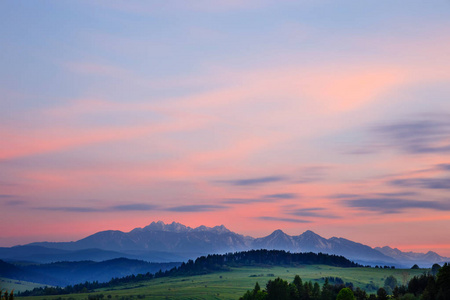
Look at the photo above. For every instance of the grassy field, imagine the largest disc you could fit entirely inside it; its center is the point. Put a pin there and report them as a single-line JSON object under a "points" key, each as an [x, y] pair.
{"points": [[233, 284], [18, 285]]}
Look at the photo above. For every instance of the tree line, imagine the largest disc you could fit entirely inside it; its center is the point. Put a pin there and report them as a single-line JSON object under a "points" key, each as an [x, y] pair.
{"points": [[205, 265], [434, 285], [4, 295]]}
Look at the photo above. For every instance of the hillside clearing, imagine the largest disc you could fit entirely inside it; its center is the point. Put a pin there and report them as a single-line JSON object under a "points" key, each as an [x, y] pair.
{"points": [[233, 284]]}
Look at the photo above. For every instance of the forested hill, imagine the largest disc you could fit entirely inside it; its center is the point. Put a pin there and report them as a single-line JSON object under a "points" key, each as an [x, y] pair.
{"points": [[265, 257], [209, 264]]}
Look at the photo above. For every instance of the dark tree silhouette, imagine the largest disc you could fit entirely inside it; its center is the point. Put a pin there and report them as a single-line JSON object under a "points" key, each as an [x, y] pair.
{"points": [[345, 294], [381, 294]]}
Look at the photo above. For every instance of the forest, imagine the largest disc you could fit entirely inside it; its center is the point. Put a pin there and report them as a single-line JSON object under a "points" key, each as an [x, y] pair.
{"points": [[428, 286], [205, 265], [434, 284]]}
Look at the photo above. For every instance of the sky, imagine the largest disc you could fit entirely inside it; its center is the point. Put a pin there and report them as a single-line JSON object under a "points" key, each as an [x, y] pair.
{"points": [[331, 116]]}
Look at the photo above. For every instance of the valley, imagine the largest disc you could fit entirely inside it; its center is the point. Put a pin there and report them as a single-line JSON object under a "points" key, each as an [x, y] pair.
{"points": [[209, 275], [234, 283]]}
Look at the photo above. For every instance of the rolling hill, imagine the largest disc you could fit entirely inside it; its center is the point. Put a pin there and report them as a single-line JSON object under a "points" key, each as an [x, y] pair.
{"points": [[68, 273]]}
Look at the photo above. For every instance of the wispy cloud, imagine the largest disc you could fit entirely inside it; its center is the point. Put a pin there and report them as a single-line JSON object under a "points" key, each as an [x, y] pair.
{"points": [[444, 167], [421, 134], [427, 183], [395, 205], [15, 202], [282, 196], [429, 135], [70, 209], [134, 207], [88, 209], [342, 196], [277, 219], [245, 200], [317, 212], [263, 199], [144, 8], [373, 195], [7, 184], [196, 208], [398, 194], [312, 174], [253, 181]]}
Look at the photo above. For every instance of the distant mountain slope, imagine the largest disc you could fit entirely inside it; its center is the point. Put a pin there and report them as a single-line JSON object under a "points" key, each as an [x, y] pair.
{"points": [[76, 272], [24, 252], [277, 240], [177, 242], [69, 273], [43, 254], [209, 264], [311, 242], [174, 237], [413, 257], [11, 271]]}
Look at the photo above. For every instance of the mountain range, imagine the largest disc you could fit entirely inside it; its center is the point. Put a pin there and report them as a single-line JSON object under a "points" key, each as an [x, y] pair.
{"points": [[160, 242]]}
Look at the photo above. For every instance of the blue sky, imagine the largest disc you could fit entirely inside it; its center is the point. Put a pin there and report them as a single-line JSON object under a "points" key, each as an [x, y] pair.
{"points": [[324, 115]]}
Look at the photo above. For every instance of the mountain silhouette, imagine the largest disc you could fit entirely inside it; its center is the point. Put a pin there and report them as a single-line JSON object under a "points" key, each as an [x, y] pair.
{"points": [[160, 242]]}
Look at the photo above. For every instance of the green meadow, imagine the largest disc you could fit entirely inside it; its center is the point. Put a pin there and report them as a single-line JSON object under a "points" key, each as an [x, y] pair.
{"points": [[233, 284], [18, 285]]}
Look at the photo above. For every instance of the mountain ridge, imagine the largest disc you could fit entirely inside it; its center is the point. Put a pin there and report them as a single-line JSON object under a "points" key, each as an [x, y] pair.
{"points": [[187, 243]]}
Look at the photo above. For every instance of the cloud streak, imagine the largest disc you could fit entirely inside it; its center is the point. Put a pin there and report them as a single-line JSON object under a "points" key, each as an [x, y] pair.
{"points": [[444, 167], [395, 205], [282, 196], [134, 207], [254, 181], [423, 134], [246, 200], [280, 219], [70, 209], [427, 134], [196, 208], [264, 199], [115, 208], [425, 183], [315, 212]]}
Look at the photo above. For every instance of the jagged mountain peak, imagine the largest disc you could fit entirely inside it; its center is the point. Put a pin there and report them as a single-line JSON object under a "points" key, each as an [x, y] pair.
{"points": [[180, 228], [309, 233], [278, 232], [178, 238], [310, 237], [276, 240], [216, 229], [161, 226], [221, 229], [431, 255], [337, 239], [387, 249]]}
